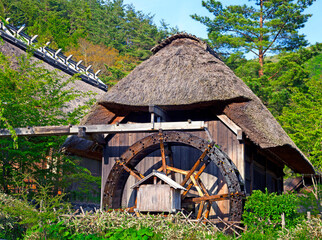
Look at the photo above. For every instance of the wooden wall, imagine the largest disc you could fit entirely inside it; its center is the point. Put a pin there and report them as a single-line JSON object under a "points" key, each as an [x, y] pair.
{"points": [[184, 157], [262, 170]]}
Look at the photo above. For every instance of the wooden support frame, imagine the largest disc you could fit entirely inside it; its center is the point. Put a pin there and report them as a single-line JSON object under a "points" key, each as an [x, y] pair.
{"points": [[134, 172], [193, 169], [231, 125], [214, 198], [164, 164], [104, 129], [155, 110], [196, 176]]}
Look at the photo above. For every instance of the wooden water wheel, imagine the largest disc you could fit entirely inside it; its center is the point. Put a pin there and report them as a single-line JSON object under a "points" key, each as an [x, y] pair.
{"points": [[163, 141]]}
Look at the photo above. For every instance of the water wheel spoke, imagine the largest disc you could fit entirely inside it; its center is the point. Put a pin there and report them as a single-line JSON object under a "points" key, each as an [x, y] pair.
{"points": [[196, 176], [170, 157], [204, 189], [197, 186], [177, 170], [193, 169], [214, 198], [162, 150], [201, 205], [135, 173], [208, 209]]}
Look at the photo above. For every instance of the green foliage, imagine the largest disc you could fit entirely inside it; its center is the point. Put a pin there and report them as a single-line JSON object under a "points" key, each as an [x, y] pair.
{"points": [[110, 24], [258, 28], [132, 233], [302, 118], [311, 199], [18, 214], [291, 90], [33, 96], [262, 211], [305, 230], [58, 21]]}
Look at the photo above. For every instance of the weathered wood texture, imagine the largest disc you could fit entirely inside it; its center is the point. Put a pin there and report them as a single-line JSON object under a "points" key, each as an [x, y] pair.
{"points": [[262, 170], [184, 158], [158, 198]]}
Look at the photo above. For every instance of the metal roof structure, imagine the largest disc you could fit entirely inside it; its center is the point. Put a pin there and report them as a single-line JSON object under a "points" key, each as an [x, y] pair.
{"points": [[163, 177], [53, 57]]}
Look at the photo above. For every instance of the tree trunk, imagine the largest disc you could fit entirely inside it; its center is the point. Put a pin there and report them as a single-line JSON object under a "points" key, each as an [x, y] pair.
{"points": [[261, 63], [260, 51]]}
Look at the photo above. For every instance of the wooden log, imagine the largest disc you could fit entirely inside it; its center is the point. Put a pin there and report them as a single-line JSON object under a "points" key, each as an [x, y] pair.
{"points": [[170, 157], [208, 210], [184, 172]]}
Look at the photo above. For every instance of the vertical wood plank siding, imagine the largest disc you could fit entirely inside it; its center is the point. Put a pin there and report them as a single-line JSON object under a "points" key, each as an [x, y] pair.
{"points": [[184, 158]]}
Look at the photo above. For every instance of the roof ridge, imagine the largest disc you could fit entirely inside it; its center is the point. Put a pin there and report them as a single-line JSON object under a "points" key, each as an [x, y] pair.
{"points": [[170, 39]]}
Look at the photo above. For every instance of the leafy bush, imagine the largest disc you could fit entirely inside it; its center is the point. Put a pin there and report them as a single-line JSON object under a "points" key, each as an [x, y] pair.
{"points": [[263, 211]]}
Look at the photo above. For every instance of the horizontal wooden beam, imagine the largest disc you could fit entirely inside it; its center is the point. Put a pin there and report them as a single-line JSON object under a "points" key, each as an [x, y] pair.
{"points": [[104, 129], [213, 198]]}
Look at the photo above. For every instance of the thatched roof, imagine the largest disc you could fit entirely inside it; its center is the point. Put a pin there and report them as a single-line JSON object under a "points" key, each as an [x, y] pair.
{"points": [[184, 73]]}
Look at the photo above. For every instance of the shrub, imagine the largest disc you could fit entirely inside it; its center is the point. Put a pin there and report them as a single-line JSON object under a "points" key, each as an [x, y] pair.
{"points": [[263, 211]]}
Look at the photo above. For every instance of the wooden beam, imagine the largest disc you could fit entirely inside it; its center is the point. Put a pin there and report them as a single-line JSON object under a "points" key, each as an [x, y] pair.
{"points": [[231, 125], [208, 209], [134, 172], [184, 172], [193, 169], [201, 205], [203, 167], [197, 186], [213, 198], [158, 111], [170, 157], [164, 164], [109, 129], [204, 189]]}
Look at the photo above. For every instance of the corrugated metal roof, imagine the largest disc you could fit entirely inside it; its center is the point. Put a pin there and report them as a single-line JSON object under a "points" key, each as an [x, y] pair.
{"points": [[161, 176]]}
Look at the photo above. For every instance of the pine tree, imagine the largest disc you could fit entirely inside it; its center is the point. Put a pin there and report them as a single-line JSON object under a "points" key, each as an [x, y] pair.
{"points": [[266, 25]]}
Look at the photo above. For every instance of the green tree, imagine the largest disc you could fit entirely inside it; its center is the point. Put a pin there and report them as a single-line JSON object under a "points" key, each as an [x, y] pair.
{"points": [[58, 21], [302, 118], [33, 96], [125, 29], [292, 93], [266, 25], [284, 75]]}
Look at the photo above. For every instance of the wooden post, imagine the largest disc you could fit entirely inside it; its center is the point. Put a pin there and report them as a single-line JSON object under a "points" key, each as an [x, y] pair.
{"points": [[308, 214], [283, 220]]}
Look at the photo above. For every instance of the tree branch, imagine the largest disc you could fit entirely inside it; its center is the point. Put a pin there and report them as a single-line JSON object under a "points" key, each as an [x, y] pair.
{"points": [[279, 31]]}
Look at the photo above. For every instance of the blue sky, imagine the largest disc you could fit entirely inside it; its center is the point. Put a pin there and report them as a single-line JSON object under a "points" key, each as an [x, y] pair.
{"points": [[177, 13]]}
